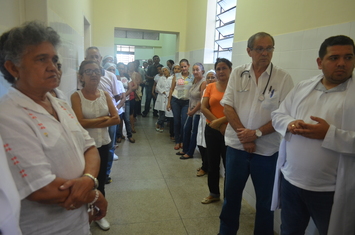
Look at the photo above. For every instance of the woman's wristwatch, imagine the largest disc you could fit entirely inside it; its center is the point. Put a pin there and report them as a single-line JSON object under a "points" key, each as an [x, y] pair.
{"points": [[96, 182]]}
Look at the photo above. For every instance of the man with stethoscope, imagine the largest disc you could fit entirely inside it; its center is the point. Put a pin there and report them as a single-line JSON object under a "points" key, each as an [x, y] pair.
{"points": [[254, 90]]}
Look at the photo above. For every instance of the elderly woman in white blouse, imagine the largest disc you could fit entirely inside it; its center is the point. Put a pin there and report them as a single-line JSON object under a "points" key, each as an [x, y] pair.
{"points": [[53, 160]]}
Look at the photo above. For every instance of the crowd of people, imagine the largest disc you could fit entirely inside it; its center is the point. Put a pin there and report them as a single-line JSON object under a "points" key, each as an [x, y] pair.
{"points": [[296, 143]]}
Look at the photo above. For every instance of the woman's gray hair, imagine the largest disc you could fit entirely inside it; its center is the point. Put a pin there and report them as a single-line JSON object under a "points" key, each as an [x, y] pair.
{"points": [[14, 43], [201, 66]]}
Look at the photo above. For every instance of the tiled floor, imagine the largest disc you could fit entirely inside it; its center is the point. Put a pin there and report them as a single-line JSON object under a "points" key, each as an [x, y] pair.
{"points": [[154, 192]]}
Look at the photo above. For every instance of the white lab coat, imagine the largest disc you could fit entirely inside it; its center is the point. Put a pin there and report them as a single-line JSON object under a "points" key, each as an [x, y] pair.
{"points": [[340, 139]]}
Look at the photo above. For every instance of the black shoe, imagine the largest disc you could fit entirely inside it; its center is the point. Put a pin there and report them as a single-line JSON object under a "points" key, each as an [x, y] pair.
{"points": [[144, 114], [108, 180]]}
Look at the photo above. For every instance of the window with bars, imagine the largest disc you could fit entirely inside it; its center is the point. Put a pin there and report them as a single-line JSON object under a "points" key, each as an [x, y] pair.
{"points": [[125, 54], [224, 34]]}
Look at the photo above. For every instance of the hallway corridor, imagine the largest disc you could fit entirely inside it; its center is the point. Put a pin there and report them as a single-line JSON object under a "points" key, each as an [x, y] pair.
{"points": [[154, 192]]}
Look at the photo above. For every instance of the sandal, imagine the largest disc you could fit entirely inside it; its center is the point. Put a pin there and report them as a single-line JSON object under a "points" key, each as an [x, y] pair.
{"points": [[180, 153], [177, 146], [186, 157], [210, 199], [131, 140], [201, 173]]}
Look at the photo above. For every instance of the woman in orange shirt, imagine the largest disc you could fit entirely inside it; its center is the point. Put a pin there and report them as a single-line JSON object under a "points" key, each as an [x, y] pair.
{"points": [[215, 126]]}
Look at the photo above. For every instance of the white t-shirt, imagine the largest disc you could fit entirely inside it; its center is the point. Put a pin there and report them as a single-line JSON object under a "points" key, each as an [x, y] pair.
{"points": [[242, 93], [41, 148], [112, 86]]}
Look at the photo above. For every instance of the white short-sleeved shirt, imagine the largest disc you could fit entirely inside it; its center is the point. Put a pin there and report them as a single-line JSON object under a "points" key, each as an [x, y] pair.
{"points": [[39, 148], [112, 86], [242, 93]]}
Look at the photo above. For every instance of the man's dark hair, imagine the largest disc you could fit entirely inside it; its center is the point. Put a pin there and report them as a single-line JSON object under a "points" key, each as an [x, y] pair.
{"points": [[155, 56], [160, 65], [334, 41]]}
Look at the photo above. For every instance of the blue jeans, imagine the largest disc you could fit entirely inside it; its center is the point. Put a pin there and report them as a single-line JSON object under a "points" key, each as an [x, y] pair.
{"points": [[190, 134], [239, 165], [112, 133], [126, 121], [179, 108], [298, 205]]}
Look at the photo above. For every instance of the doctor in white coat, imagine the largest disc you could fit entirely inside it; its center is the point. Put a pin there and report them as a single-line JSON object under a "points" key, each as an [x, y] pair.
{"points": [[316, 166]]}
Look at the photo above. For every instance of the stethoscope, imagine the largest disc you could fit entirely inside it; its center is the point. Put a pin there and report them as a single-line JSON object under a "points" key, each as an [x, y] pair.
{"points": [[262, 96]]}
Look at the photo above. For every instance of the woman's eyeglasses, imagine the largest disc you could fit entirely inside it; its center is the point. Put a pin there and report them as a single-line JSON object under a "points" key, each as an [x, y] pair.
{"points": [[91, 71]]}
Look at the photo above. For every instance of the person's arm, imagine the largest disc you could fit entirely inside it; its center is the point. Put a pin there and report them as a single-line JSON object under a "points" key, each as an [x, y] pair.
{"points": [[86, 123], [153, 89], [173, 84], [129, 90], [82, 186], [134, 85], [198, 105], [114, 119], [205, 109]]}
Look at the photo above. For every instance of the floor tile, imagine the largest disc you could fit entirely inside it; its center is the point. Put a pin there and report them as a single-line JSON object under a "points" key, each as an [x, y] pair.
{"points": [[154, 192]]}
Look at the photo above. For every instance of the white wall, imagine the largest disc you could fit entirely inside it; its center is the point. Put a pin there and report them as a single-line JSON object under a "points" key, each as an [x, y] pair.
{"points": [[297, 53]]}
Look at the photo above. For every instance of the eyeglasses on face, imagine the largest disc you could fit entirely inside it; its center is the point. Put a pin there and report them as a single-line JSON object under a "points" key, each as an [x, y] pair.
{"points": [[111, 70], [261, 50], [91, 71]]}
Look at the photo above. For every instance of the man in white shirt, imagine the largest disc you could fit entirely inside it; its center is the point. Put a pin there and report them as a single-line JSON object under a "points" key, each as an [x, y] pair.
{"points": [[317, 154], [254, 90]]}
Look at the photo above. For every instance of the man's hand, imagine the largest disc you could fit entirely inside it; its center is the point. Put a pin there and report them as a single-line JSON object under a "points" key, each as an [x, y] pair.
{"points": [[249, 147], [246, 135], [295, 125], [79, 190], [313, 131]]}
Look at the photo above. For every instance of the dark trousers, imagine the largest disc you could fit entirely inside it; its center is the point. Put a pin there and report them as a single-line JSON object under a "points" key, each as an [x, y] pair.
{"points": [[216, 149], [148, 98], [161, 118], [171, 126], [298, 205], [203, 152], [103, 151]]}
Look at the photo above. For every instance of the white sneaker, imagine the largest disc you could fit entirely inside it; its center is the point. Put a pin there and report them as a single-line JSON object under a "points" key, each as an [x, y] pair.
{"points": [[115, 157], [103, 224]]}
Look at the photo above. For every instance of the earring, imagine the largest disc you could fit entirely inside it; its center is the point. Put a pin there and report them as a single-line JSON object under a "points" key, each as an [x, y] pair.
{"points": [[16, 78]]}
